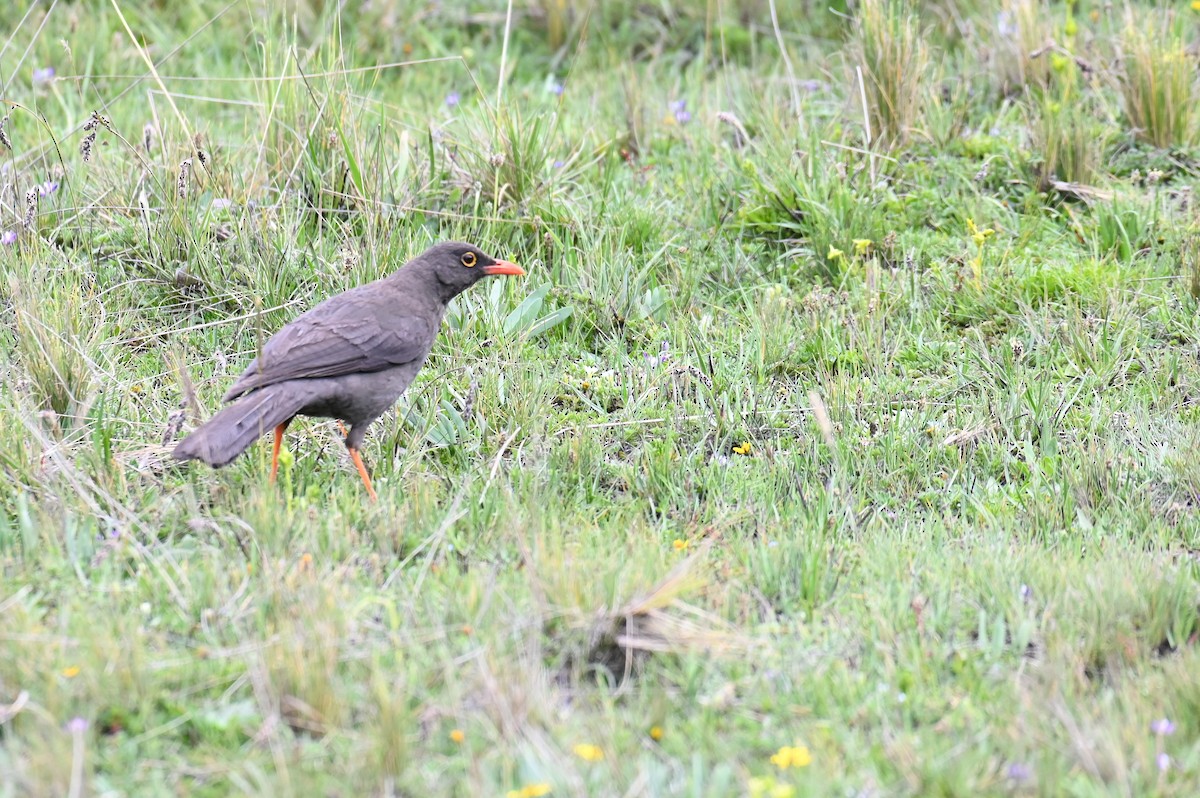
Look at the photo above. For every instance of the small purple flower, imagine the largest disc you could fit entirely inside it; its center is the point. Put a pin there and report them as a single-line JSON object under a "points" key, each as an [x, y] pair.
{"points": [[558, 164], [43, 75], [47, 188], [77, 725], [1163, 727], [452, 99], [678, 106], [683, 117], [1164, 762], [8, 238], [1006, 26], [1019, 772], [657, 360], [557, 88]]}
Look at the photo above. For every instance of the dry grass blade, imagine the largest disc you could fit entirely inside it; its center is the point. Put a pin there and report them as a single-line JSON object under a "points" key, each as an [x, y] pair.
{"points": [[660, 620]]}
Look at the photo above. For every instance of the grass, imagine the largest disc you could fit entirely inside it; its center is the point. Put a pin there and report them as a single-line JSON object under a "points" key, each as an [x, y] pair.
{"points": [[779, 473], [1157, 80]]}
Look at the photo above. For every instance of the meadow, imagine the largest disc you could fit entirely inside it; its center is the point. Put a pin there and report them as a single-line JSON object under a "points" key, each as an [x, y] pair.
{"points": [[842, 439]]}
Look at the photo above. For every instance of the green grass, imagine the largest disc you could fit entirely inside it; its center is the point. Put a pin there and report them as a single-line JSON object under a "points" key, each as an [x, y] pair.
{"points": [[928, 506]]}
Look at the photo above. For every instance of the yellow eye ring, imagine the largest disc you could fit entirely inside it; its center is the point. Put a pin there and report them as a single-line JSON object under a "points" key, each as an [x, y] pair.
{"points": [[468, 259]]}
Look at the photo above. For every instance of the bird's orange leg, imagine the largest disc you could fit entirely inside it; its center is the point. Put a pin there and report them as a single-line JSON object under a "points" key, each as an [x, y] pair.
{"points": [[362, 472], [279, 430], [342, 427]]}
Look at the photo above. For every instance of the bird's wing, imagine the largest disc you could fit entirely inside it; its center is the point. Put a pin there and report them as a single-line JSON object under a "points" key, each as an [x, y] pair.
{"points": [[347, 338]]}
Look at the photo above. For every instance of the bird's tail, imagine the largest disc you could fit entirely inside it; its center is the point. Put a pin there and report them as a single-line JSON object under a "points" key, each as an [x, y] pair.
{"points": [[231, 431]]}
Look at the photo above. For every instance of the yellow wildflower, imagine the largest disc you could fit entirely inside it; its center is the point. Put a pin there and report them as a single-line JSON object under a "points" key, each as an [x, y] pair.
{"points": [[1196, 5], [588, 752], [530, 791], [835, 253], [457, 735], [979, 236], [742, 448], [759, 787], [680, 544], [790, 756], [656, 732], [1071, 28], [71, 671], [861, 245]]}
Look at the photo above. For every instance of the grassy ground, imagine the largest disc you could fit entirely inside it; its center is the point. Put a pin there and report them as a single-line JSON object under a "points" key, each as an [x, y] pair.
{"points": [[844, 438]]}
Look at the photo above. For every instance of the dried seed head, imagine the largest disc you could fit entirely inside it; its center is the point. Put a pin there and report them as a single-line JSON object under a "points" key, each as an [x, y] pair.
{"points": [[729, 118], [85, 146], [31, 203], [1018, 348], [174, 424], [469, 405], [350, 258], [4, 134], [148, 131], [185, 173], [198, 144], [95, 121], [496, 159]]}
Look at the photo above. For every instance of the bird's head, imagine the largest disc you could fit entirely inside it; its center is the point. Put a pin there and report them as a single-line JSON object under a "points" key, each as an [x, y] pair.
{"points": [[458, 266]]}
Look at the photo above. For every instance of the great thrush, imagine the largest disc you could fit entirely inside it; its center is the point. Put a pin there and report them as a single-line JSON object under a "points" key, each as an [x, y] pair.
{"points": [[349, 358]]}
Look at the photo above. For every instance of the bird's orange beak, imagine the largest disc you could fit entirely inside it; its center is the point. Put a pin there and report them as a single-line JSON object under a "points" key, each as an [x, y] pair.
{"points": [[504, 267]]}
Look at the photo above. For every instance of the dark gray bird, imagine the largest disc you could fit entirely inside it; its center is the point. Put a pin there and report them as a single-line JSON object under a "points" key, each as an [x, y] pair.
{"points": [[349, 358]]}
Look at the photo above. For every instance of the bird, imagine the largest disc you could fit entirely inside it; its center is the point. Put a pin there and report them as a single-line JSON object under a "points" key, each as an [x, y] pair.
{"points": [[348, 358]]}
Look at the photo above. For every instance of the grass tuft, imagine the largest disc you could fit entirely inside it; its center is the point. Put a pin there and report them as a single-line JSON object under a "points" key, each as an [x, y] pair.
{"points": [[891, 52], [1157, 79]]}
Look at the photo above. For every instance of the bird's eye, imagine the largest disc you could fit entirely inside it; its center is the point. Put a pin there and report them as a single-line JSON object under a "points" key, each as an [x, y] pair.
{"points": [[468, 259]]}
